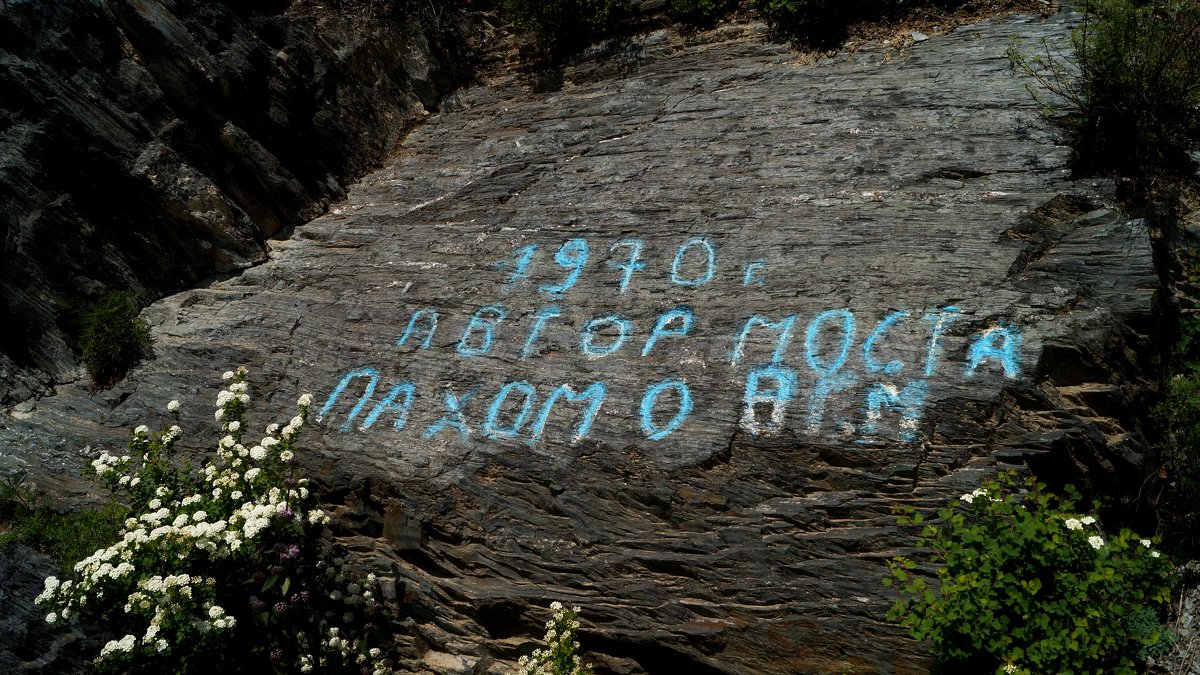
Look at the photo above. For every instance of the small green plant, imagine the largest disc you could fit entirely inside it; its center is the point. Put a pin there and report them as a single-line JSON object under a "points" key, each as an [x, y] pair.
{"points": [[1178, 432], [1025, 584], [1132, 86], [822, 21], [561, 654], [222, 568], [112, 337], [560, 25], [701, 12], [65, 537]]}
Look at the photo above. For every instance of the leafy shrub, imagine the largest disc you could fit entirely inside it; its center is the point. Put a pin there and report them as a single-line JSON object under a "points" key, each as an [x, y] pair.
{"points": [[824, 22], [1133, 84], [701, 12], [1178, 444], [222, 568], [559, 25], [1027, 585], [112, 337], [559, 657], [66, 537]]}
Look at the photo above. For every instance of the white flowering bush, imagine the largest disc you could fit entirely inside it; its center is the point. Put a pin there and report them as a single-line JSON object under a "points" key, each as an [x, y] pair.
{"points": [[222, 564], [1027, 584], [560, 657]]}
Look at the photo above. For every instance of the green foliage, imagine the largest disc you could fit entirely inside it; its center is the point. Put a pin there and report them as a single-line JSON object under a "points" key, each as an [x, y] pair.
{"points": [[560, 656], [222, 568], [560, 25], [1132, 86], [825, 21], [1024, 584], [701, 12], [1178, 428], [65, 537], [112, 337]]}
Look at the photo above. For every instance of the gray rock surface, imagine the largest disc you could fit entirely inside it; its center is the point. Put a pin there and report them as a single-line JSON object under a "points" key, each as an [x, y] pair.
{"points": [[30, 645], [148, 145], [717, 499]]}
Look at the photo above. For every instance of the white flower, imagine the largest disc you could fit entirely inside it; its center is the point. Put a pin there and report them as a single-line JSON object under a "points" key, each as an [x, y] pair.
{"points": [[272, 428], [142, 430], [1087, 520], [237, 387], [1154, 554], [199, 516], [219, 414], [227, 375], [286, 456], [252, 474], [1146, 543], [52, 617], [1073, 524], [556, 606], [258, 453], [124, 480], [234, 426], [173, 406], [1096, 542], [304, 401], [216, 612], [968, 498], [161, 645]]}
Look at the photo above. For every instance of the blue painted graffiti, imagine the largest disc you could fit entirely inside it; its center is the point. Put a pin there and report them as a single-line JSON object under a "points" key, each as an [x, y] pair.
{"points": [[454, 415], [661, 327], [480, 322], [492, 427], [838, 361], [653, 431]]}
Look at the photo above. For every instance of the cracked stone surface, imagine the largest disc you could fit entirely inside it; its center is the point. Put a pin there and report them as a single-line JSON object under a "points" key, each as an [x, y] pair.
{"points": [[671, 342]]}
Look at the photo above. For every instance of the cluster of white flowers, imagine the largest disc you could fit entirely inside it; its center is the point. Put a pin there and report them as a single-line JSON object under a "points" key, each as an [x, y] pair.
{"points": [[234, 505], [106, 464], [1096, 541], [125, 644], [970, 497], [561, 646]]}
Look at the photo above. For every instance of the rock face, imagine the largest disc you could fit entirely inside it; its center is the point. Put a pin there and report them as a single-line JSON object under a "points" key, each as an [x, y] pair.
{"points": [[671, 343], [30, 645], [148, 145]]}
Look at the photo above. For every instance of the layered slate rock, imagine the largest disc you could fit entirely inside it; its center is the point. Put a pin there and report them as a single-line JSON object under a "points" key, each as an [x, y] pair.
{"points": [[670, 343], [145, 146]]}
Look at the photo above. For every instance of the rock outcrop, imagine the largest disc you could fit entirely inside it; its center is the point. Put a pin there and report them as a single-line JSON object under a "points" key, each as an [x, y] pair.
{"points": [[148, 145], [672, 342]]}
